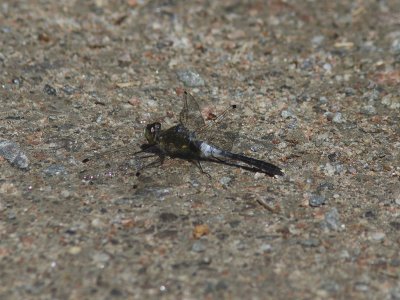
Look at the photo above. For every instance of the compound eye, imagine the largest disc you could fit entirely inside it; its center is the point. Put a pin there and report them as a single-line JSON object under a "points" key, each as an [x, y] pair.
{"points": [[155, 128]]}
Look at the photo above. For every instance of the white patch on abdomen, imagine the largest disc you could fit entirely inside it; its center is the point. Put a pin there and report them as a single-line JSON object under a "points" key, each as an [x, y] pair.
{"points": [[209, 151]]}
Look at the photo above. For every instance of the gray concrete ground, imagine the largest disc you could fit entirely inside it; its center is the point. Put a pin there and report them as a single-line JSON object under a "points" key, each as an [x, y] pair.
{"points": [[317, 87]]}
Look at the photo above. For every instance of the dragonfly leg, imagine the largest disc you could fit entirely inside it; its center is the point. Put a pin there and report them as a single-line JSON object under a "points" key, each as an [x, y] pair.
{"points": [[156, 163], [198, 164]]}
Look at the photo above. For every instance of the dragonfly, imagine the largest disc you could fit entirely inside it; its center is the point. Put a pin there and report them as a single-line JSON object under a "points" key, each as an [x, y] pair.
{"points": [[192, 139], [195, 140]]}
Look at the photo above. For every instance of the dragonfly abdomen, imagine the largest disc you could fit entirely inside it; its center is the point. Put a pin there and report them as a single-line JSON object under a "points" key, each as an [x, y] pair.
{"points": [[208, 151], [259, 164]]}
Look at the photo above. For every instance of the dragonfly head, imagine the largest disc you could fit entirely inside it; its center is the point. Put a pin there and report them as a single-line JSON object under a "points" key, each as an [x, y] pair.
{"points": [[152, 133]]}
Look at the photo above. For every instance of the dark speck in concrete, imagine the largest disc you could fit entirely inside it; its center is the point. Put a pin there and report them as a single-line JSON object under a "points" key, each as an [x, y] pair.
{"points": [[49, 90], [167, 217]]}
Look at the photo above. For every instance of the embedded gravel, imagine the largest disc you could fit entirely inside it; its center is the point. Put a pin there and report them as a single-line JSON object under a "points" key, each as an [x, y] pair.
{"points": [[317, 87]]}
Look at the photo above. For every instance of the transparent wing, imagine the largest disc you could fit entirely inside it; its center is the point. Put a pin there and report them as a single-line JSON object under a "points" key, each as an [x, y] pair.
{"points": [[223, 131], [96, 156], [190, 116]]}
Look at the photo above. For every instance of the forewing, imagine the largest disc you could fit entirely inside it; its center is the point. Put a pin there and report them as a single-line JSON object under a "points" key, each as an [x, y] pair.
{"points": [[190, 116]]}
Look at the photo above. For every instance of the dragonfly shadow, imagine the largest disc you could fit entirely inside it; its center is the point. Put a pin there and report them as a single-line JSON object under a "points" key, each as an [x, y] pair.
{"points": [[236, 165], [149, 148]]}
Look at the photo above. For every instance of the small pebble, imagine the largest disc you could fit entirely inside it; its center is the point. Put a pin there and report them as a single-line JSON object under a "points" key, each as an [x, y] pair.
{"points": [[391, 101], [239, 245], [317, 40], [332, 219], [307, 64], [352, 170], [13, 154], [338, 118], [312, 242], [225, 180], [101, 258], [190, 78], [371, 96], [259, 175], [323, 100], [12, 215], [69, 90], [65, 193], [316, 200], [97, 223], [49, 90], [395, 47], [205, 261], [368, 110], [17, 81], [265, 248], [377, 236], [349, 91], [55, 170], [74, 250], [325, 186], [340, 169], [6, 29], [330, 286], [361, 287], [328, 115], [199, 246], [124, 60], [327, 67], [99, 119], [286, 114], [329, 169], [200, 230], [344, 254]]}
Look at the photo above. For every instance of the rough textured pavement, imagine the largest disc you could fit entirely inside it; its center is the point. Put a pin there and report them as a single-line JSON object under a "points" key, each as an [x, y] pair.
{"points": [[317, 84]]}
